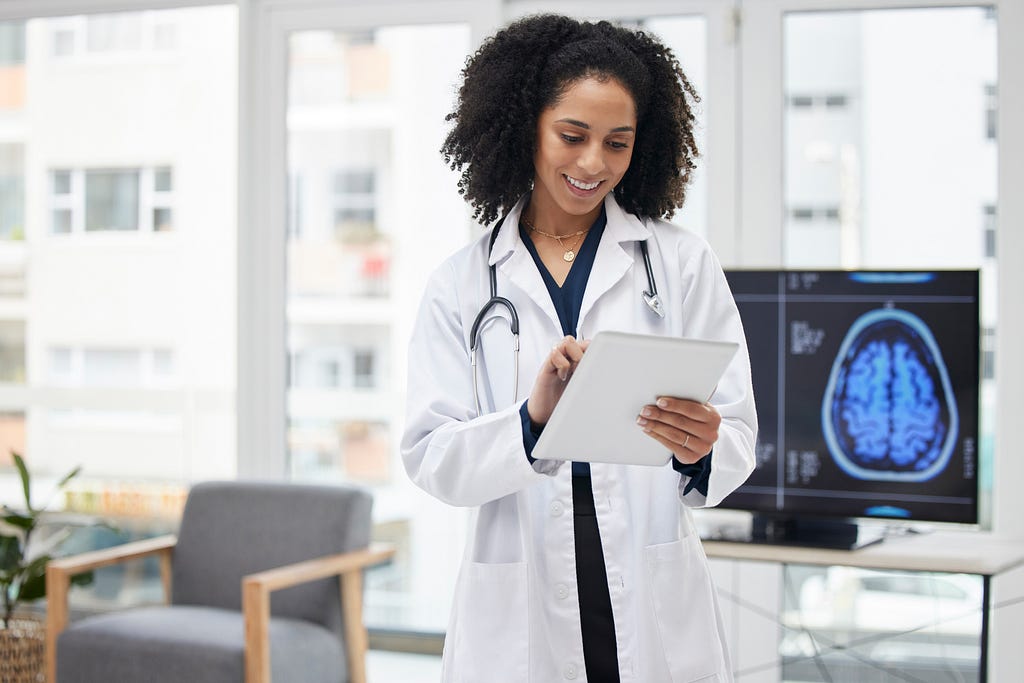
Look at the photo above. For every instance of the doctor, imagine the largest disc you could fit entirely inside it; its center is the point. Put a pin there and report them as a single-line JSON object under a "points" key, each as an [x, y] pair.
{"points": [[581, 135]]}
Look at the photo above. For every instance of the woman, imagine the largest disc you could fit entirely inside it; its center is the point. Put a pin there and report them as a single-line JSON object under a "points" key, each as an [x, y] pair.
{"points": [[581, 134]]}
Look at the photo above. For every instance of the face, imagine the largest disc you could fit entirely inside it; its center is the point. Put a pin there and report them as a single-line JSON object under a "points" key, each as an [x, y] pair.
{"points": [[584, 145]]}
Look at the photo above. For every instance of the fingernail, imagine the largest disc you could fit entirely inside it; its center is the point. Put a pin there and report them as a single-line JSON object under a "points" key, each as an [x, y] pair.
{"points": [[646, 412], [662, 403], [641, 421]]}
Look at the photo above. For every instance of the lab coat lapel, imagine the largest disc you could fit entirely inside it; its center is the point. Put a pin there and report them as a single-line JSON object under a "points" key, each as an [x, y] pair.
{"points": [[613, 259], [514, 261]]}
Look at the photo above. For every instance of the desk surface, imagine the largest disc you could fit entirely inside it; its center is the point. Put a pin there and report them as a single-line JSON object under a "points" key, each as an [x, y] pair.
{"points": [[940, 551]]}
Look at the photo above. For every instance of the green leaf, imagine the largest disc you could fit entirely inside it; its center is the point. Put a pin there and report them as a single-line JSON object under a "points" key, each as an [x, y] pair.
{"points": [[37, 566], [23, 473], [19, 520], [32, 588], [69, 476], [10, 554], [83, 579]]}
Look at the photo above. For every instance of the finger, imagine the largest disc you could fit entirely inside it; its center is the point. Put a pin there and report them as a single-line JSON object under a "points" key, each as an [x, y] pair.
{"points": [[681, 439], [701, 430], [700, 412], [573, 350], [559, 363], [683, 455]]}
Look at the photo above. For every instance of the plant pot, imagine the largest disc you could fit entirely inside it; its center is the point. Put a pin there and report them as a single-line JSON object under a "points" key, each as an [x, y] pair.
{"points": [[23, 650]]}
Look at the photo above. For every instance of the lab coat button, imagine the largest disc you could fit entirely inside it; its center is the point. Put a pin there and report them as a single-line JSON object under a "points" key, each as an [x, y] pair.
{"points": [[562, 591], [570, 671], [557, 508]]}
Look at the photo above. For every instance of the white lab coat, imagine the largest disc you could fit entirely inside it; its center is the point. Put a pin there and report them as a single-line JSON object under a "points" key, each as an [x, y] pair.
{"points": [[516, 614]]}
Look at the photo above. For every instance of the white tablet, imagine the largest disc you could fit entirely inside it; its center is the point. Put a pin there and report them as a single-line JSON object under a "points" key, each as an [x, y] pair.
{"points": [[595, 420]]}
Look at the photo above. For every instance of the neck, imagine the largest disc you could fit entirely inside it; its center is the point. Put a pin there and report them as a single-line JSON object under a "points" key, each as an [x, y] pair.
{"points": [[552, 219]]}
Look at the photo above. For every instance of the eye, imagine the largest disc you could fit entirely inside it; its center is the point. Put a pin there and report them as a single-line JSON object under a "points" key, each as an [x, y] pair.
{"points": [[571, 139], [618, 145]]}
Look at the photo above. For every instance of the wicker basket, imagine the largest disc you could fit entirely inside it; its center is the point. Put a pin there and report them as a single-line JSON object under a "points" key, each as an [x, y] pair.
{"points": [[23, 650]]}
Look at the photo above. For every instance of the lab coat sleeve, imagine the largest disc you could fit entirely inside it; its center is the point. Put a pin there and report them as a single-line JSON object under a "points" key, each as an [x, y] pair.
{"points": [[710, 313], [450, 453]]}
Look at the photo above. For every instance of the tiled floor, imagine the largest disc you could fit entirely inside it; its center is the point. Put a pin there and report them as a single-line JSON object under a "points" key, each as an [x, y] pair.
{"points": [[396, 667]]}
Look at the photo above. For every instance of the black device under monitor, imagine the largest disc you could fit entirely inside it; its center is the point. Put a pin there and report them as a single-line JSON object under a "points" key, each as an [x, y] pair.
{"points": [[866, 385]]}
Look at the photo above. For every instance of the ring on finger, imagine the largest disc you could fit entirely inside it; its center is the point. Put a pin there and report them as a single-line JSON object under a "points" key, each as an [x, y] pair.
{"points": [[686, 440]]}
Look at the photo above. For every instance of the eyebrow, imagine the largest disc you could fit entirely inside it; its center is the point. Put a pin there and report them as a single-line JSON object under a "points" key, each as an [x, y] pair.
{"points": [[586, 126]]}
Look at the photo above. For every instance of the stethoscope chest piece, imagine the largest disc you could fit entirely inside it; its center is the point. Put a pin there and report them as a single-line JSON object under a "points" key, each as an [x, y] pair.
{"points": [[653, 302]]}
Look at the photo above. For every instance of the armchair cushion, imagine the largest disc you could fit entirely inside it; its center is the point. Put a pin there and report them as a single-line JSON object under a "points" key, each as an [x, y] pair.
{"points": [[194, 645]]}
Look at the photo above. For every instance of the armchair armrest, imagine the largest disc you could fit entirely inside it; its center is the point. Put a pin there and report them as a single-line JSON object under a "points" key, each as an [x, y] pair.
{"points": [[60, 571], [256, 590]]}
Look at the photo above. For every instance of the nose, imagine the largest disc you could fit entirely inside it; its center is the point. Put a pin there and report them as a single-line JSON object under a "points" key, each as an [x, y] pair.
{"points": [[591, 160]]}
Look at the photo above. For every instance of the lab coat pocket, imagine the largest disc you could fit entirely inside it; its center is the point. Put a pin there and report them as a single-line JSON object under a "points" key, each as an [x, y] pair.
{"points": [[684, 604], [492, 639]]}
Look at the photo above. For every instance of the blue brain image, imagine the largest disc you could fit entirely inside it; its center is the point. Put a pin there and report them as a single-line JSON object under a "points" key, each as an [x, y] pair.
{"points": [[889, 412]]}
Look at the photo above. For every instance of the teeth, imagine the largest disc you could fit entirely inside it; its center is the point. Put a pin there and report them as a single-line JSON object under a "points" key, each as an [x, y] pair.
{"points": [[582, 186]]}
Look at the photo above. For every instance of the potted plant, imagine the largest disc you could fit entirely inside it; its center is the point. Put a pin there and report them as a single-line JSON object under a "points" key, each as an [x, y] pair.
{"points": [[23, 558]]}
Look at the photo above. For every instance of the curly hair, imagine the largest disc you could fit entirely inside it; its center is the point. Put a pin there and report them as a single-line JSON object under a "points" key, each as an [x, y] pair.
{"points": [[525, 68]]}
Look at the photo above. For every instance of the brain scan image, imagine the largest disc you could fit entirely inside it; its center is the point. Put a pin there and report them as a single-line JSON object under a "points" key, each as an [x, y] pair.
{"points": [[888, 412]]}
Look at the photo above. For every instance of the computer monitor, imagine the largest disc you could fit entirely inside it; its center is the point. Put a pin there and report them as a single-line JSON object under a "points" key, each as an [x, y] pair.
{"points": [[866, 385]]}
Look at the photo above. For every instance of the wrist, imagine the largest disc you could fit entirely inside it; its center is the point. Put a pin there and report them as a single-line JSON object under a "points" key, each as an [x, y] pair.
{"points": [[537, 421]]}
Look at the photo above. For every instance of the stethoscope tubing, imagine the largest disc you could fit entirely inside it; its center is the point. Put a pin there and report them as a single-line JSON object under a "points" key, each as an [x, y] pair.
{"points": [[650, 297]]}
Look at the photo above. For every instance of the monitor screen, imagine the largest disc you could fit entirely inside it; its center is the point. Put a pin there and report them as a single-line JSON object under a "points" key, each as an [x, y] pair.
{"points": [[866, 384]]}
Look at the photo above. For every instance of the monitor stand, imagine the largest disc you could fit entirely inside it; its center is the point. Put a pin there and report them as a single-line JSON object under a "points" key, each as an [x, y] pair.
{"points": [[814, 532]]}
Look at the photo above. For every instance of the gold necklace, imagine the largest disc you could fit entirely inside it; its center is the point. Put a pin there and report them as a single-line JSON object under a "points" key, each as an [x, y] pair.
{"points": [[568, 254]]}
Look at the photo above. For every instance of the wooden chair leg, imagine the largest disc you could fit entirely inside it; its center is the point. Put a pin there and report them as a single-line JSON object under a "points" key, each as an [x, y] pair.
{"points": [[57, 584], [356, 642], [256, 614]]}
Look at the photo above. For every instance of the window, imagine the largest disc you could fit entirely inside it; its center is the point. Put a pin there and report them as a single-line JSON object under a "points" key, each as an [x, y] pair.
{"points": [[363, 375], [814, 213], [112, 200], [12, 191], [990, 230], [111, 368], [12, 352], [991, 111], [71, 366], [818, 101], [12, 43], [365, 118], [129, 339], [355, 215], [988, 353], [163, 199], [114, 32], [835, 101], [124, 34], [907, 166]]}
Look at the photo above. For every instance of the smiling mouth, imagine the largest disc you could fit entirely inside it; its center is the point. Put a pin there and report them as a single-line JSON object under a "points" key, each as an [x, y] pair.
{"points": [[580, 185]]}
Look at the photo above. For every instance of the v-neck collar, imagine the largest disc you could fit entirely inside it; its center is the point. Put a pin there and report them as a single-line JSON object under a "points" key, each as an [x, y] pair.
{"points": [[568, 298]]}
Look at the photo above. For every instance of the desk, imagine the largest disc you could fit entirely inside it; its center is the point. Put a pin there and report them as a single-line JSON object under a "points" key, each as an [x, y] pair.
{"points": [[977, 553]]}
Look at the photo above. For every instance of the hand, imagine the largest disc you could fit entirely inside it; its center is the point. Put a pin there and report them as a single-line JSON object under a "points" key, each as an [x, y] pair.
{"points": [[554, 373], [687, 428]]}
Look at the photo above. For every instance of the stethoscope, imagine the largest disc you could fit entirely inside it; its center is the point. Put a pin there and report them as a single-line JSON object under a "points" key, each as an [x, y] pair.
{"points": [[650, 297]]}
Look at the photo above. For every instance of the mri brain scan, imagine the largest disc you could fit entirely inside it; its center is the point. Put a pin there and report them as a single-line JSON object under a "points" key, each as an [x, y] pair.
{"points": [[888, 412]]}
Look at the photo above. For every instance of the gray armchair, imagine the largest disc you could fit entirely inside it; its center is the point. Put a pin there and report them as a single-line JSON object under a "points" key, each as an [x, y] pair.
{"points": [[239, 542]]}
